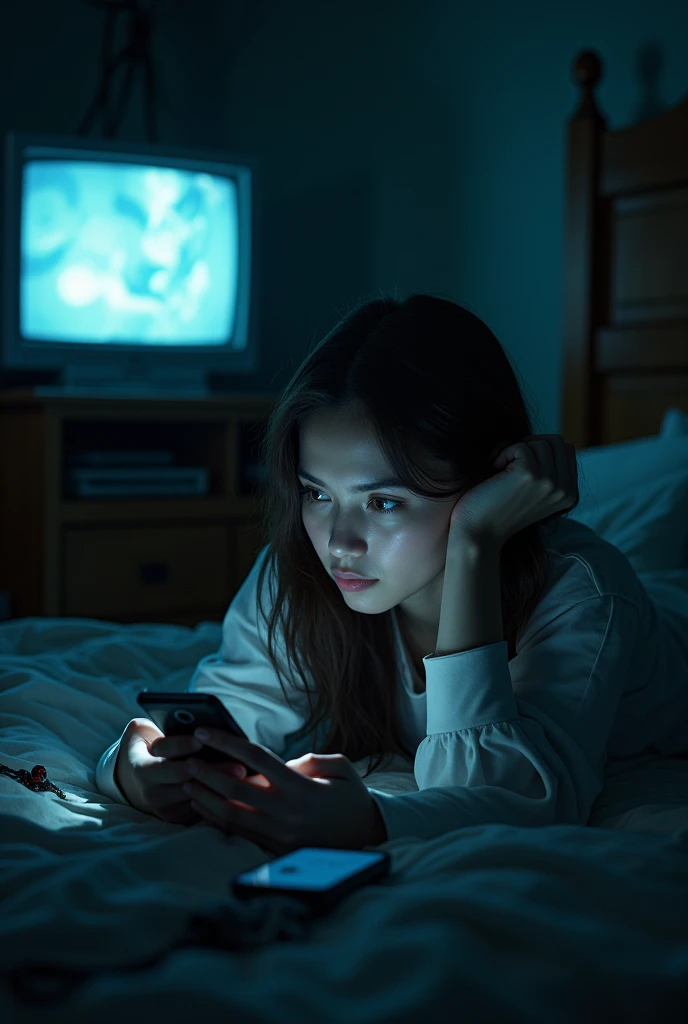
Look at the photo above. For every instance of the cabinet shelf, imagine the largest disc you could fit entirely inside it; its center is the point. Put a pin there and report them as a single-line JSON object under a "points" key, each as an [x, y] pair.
{"points": [[129, 510], [130, 559]]}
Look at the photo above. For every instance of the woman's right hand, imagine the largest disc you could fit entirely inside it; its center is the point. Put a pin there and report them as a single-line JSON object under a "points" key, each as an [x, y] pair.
{"points": [[151, 780]]}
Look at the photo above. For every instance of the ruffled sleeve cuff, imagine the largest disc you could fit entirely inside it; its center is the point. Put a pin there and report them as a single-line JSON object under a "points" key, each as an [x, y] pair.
{"points": [[469, 689]]}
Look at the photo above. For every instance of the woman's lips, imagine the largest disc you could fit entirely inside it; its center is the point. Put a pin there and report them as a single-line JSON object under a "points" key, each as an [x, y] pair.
{"points": [[343, 575], [354, 584]]}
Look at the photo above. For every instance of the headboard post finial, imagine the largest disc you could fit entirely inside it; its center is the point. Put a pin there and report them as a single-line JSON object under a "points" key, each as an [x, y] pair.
{"points": [[585, 133], [587, 71]]}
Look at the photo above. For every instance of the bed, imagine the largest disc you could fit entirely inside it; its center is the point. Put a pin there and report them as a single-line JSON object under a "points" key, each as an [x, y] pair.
{"points": [[106, 913]]}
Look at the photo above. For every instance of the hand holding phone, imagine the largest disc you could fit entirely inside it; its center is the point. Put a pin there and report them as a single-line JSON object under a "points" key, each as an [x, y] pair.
{"points": [[151, 763], [150, 782], [179, 714]]}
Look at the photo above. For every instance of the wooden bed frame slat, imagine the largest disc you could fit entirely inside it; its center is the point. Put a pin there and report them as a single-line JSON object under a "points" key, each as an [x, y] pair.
{"points": [[642, 348], [626, 271], [646, 156]]}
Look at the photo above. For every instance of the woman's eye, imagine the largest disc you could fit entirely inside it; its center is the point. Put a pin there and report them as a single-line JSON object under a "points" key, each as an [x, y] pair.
{"points": [[307, 492]]}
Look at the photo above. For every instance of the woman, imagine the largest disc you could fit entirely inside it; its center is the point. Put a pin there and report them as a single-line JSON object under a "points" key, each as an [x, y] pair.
{"points": [[504, 660]]}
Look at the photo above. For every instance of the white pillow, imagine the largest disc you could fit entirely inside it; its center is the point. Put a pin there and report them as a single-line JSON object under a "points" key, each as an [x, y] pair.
{"points": [[649, 523], [612, 469], [674, 424], [635, 495]]}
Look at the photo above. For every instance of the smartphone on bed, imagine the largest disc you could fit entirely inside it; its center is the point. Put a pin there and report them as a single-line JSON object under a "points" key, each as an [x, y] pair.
{"points": [[316, 875], [178, 714]]}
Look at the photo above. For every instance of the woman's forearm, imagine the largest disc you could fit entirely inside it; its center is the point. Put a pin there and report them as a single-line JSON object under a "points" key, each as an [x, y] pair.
{"points": [[471, 610]]}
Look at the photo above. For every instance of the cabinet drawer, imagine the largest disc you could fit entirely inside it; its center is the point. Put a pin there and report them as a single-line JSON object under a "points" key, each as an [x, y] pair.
{"points": [[132, 571]]}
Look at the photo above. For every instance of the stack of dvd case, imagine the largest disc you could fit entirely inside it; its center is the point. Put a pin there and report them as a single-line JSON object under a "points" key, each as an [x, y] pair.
{"points": [[129, 474]]}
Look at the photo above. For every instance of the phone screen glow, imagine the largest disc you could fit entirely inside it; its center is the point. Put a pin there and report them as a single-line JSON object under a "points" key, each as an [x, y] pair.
{"points": [[311, 867]]}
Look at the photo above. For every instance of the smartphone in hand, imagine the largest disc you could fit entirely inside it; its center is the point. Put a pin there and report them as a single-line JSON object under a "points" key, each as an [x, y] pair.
{"points": [[178, 714]]}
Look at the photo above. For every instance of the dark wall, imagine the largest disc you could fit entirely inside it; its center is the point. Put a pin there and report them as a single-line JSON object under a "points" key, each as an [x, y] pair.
{"points": [[49, 69], [422, 146], [403, 145]]}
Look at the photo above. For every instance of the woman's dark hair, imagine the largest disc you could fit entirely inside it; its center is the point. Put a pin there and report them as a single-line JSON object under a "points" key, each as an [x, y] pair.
{"points": [[432, 381]]}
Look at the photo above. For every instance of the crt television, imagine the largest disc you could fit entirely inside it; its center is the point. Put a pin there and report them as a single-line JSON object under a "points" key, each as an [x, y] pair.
{"points": [[127, 266]]}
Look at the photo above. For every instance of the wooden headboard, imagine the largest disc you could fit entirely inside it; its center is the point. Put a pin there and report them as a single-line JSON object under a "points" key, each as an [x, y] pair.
{"points": [[626, 271]]}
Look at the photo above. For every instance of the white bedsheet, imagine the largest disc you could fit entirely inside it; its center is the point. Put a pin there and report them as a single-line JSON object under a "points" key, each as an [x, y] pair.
{"points": [[491, 920]]}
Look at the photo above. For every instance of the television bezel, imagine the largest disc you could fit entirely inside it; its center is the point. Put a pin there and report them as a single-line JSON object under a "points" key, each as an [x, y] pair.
{"points": [[121, 364]]}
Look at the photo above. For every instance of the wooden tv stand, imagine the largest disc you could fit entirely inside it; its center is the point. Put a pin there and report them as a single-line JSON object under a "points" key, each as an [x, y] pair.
{"points": [[128, 559]]}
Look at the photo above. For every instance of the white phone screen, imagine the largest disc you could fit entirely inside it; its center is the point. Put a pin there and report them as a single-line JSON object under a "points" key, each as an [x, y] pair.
{"points": [[311, 867]]}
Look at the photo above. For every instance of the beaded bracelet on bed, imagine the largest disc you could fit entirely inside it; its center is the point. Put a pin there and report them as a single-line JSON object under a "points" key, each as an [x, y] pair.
{"points": [[36, 780]]}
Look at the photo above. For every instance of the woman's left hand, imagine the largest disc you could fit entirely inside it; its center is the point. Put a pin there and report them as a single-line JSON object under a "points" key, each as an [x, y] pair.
{"points": [[314, 800], [539, 479]]}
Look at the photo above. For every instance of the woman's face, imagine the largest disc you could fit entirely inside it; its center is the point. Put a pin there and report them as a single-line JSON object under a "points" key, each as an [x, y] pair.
{"points": [[382, 532]]}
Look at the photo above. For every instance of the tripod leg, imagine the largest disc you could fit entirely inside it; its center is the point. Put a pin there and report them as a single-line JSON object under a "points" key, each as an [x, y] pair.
{"points": [[115, 120], [100, 102], [149, 98]]}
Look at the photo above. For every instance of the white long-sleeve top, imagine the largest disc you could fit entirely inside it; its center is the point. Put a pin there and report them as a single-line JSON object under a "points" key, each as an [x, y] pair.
{"points": [[600, 675]]}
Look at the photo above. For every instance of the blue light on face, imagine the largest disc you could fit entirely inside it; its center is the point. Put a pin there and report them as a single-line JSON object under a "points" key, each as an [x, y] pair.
{"points": [[129, 253]]}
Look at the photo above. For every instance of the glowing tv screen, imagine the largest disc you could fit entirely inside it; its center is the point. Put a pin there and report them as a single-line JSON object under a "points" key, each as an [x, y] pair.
{"points": [[130, 253], [115, 252]]}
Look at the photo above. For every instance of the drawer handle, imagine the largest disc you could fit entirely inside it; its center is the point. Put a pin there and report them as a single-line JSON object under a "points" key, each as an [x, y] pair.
{"points": [[153, 572]]}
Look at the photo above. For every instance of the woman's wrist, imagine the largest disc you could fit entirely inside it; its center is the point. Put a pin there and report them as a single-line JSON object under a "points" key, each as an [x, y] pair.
{"points": [[118, 779], [471, 608]]}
